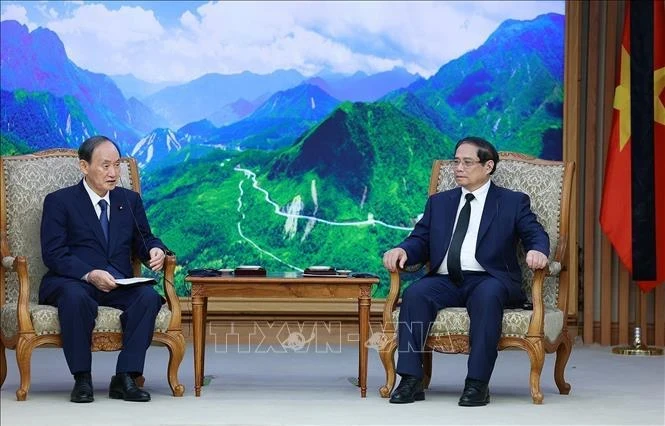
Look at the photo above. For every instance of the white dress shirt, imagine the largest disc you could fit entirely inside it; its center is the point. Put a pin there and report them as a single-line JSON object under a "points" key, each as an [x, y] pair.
{"points": [[94, 198], [468, 253]]}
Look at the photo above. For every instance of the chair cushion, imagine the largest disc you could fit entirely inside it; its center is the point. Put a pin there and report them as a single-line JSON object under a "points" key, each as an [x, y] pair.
{"points": [[455, 321], [45, 319]]}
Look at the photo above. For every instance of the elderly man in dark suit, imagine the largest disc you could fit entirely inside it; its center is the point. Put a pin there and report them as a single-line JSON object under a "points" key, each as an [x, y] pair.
{"points": [[469, 235], [89, 233]]}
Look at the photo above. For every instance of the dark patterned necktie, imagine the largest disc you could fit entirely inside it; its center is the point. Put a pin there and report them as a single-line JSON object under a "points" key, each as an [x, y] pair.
{"points": [[104, 219], [455, 250]]}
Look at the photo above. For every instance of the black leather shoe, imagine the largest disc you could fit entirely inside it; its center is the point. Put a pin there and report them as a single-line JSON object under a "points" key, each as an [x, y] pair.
{"points": [[475, 394], [124, 387], [82, 391], [410, 389]]}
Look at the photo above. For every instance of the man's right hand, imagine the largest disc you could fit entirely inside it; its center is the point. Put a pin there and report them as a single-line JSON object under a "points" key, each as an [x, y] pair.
{"points": [[102, 280], [394, 258]]}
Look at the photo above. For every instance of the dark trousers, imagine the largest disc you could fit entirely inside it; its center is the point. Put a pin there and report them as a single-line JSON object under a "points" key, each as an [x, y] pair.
{"points": [[77, 304], [484, 298]]}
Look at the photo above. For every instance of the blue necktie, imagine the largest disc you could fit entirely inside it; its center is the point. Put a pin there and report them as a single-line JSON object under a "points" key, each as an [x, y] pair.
{"points": [[104, 219], [455, 250]]}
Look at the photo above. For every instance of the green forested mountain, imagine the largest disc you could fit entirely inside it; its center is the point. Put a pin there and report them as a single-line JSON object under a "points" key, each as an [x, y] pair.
{"points": [[33, 121], [358, 179], [509, 90], [373, 154], [11, 145]]}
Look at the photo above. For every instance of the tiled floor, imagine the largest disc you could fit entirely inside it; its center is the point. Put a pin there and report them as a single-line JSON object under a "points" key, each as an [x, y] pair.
{"points": [[249, 387]]}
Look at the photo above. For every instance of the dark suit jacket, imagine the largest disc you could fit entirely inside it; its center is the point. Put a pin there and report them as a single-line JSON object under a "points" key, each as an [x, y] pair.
{"points": [[506, 217], [72, 240]]}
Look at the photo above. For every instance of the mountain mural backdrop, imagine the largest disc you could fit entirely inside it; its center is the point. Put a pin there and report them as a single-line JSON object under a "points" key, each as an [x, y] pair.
{"points": [[283, 170]]}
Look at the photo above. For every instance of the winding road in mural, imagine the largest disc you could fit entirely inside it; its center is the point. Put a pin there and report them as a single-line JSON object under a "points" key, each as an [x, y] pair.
{"points": [[370, 217], [251, 175]]}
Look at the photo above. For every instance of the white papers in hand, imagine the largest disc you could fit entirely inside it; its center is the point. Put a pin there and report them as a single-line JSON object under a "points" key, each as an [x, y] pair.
{"points": [[134, 280]]}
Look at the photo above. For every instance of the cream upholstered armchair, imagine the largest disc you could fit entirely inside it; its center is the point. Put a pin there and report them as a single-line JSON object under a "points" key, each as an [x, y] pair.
{"points": [[24, 182], [539, 330]]}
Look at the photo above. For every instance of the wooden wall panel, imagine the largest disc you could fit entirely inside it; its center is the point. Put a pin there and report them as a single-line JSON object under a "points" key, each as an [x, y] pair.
{"points": [[624, 307], [613, 26], [643, 314], [607, 78], [659, 316], [588, 173], [572, 135]]}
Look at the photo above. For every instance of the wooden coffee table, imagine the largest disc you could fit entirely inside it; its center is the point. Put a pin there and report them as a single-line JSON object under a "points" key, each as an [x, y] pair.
{"points": [[286, 285]]}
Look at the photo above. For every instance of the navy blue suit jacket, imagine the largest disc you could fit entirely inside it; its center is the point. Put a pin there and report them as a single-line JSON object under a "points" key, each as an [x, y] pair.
{"points": [[72, 240], [506, 218]]}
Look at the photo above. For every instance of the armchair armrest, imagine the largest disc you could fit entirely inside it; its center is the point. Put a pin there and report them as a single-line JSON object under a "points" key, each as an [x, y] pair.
{"points": [[557, 268], [391, 301], [537, 324], [393, 294], [169, 291], [556, 265], [19, 265]]}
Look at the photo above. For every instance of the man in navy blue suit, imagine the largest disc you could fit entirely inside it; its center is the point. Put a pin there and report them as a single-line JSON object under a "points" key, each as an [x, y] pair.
{"points": [[89, 233], [469, 235]]}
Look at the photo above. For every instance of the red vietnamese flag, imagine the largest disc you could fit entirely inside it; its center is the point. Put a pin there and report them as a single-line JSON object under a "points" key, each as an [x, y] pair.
{"points": [[632, 212]]}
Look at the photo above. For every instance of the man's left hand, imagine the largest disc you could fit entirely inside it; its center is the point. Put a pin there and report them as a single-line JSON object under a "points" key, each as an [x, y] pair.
{"points": [[157, 256], [536, 259]]}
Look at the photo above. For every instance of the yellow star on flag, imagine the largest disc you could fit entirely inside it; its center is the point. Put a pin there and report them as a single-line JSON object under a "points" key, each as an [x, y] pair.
{"points": [[658, 88], [622, 99]]}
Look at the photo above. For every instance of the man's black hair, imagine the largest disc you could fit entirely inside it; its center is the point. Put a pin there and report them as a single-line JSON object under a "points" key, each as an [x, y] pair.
{"points": [[486, 150]]}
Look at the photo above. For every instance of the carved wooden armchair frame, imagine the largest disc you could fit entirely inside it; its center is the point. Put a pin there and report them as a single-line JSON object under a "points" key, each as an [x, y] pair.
{"points": [[539, 331], [24, 182]]}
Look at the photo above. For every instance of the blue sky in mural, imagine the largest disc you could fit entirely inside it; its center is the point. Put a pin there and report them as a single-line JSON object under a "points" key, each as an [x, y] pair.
{"points": [[177, 41]]}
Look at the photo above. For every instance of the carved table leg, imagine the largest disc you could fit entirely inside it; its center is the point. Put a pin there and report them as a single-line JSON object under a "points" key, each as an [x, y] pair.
{"points": [[198, 328], [364, 303]]}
